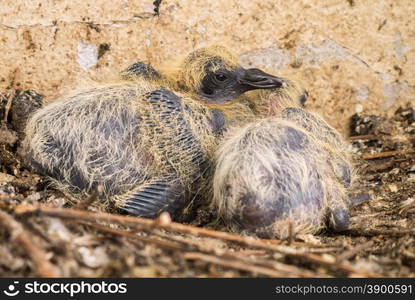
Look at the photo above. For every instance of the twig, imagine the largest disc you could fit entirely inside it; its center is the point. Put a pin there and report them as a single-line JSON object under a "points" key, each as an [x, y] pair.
{"points": [[381, 167], [82, 205], [352, 252], [43, 268], [244, 256], [233, 264], [290, 232], [130, 235], [8, 106], [194, 245], [376, 232], [145, 224], [387, 154], [367, 137], [71, 199], [407, 206], [11, 95], [288, 270], [177, 227], [324, 250]]}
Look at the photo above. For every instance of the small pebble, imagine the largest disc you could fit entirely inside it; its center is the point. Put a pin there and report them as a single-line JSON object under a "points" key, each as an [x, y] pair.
{"points": [[5, 178], [393, 188], [94, 258]]}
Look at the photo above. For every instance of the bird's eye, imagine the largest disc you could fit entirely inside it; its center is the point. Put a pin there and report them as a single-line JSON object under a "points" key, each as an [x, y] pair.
{"points": [[220, 77]]}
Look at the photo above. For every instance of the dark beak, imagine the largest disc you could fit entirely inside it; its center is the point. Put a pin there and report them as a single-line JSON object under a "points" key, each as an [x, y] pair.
{"points": [[253, 79]]}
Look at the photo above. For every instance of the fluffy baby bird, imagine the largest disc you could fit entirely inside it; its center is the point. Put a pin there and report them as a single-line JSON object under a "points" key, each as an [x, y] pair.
{"points": [[212, 75], [236, 106], [148, 141], [282, 172], [285, 104]]}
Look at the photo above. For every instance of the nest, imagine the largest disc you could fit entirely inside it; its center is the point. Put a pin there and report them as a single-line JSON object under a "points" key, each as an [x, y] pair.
{"points": [[40, 236]]}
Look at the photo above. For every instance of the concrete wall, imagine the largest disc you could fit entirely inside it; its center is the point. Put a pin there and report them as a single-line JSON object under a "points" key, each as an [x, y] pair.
{"points": [[352, 55]]}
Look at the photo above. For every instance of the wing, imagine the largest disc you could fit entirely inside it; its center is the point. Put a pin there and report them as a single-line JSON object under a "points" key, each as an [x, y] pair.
{"points": [[152, 198], [177, 144], [180, 154], [140, 69]]}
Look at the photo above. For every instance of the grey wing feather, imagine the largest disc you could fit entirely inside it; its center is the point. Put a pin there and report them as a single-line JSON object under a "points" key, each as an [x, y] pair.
{"points": [[154, 198], [140, 69], [180, 135], [177, 145]]}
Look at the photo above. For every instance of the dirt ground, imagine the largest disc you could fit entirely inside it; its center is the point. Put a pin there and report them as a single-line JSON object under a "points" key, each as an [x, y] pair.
{"points": [[55, 241]]}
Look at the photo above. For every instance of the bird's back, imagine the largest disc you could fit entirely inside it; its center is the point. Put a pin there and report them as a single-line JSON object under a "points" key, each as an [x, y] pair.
{"points": [[91, 138]]}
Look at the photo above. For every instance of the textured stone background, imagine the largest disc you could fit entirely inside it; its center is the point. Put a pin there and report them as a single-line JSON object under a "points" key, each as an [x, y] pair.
{"points": [[352, 55]]}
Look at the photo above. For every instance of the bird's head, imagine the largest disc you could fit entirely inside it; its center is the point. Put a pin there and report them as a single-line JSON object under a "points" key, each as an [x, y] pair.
{"points": [[214, 75]]}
